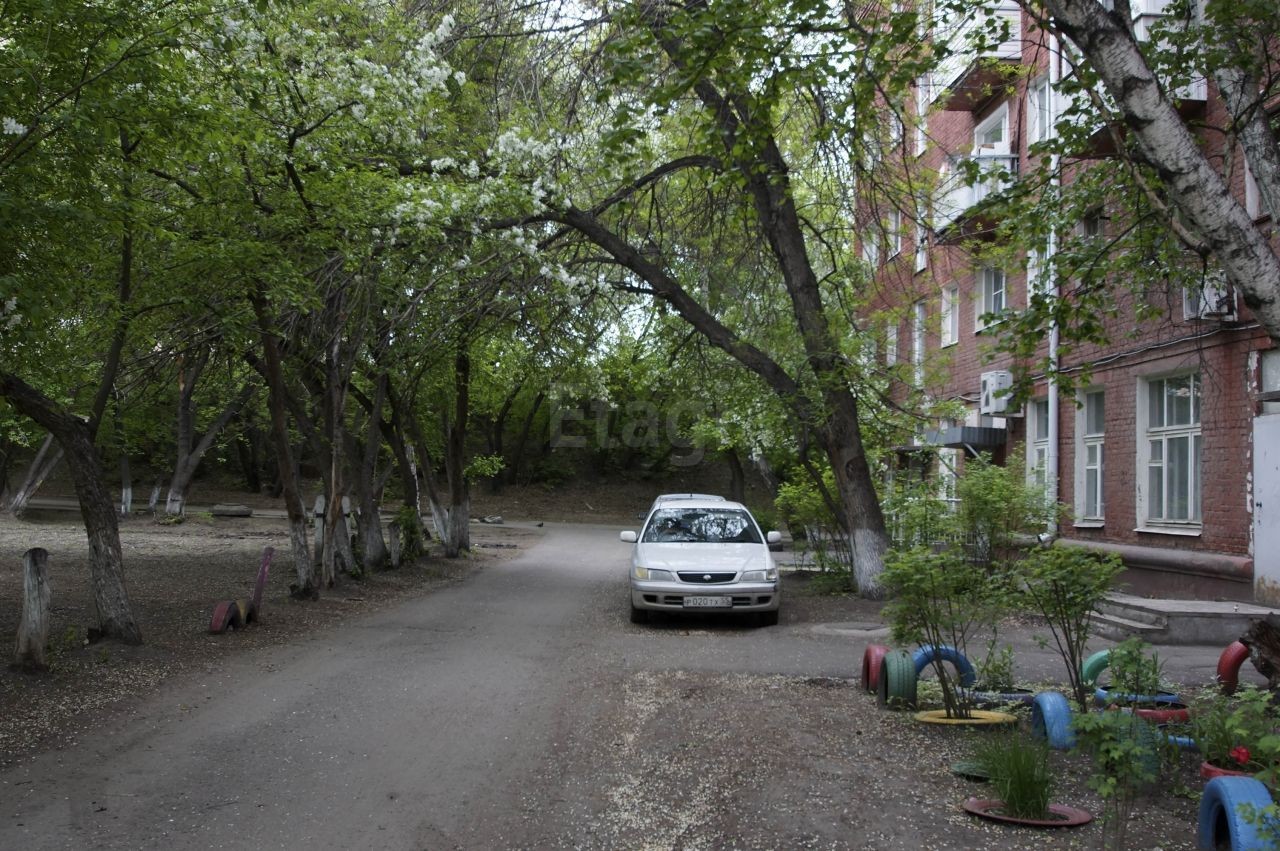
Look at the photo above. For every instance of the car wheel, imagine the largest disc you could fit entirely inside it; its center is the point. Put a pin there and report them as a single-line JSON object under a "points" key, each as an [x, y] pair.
{"points": [[769, 618], [639, 615]]}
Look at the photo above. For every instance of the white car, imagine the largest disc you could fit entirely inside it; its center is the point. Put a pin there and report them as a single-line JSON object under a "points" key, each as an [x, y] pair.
{"points": [[701, 553]]}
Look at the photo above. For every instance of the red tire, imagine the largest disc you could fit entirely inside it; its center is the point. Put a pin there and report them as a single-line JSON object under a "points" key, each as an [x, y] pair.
{"points": [[1165, 713], [871, 658], [1229, 666]]}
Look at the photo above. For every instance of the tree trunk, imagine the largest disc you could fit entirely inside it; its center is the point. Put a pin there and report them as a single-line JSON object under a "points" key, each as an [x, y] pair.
{"points": [[457, 537], [373, 546], [7, 448], [248, 451], [45, 462], [767, 475], [33, 629], [1166, 143], [1263, 640], [189, 455], [106, 567], [306, 586], [737, 478]]}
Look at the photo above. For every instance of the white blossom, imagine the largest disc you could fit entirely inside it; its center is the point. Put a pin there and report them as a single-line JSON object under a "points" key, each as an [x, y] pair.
{"points": [[12, 127]]}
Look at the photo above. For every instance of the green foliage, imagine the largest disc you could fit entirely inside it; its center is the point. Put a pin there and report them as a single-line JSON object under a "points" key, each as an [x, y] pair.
{"points": [[995, 669], [1019, 770], [1064, 585], [1136, 672], [942, 598], [1126, 757], [1238, 731], [412, 544], [810, 518], [484, 466], [997, 505]]}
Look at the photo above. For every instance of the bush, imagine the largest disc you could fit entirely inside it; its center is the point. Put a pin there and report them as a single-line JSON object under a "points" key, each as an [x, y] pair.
{"points": [[1237, 732]]}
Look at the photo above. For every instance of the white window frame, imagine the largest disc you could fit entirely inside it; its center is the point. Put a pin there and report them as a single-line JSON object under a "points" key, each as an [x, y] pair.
{"points": [[894, 227], [871, 249], [949, 316], [1037, 266], [1090, 499], [891, 343], [984, 301], [1038, 441], [924, 87], [1000, 117], [922, 247], [919, 320], [1153, 429], [949, 476], [1040, 124]]}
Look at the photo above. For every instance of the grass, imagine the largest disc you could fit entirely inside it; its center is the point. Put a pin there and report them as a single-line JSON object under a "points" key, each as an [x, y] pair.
{"points": [[1019, 769]]}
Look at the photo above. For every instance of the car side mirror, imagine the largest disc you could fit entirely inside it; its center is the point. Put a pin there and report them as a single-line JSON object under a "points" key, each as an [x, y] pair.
{"points": [[628, 537], [774, 537]]}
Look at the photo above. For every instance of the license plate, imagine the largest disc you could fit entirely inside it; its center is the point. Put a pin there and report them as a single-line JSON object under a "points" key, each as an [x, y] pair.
{"points": [[708, 602]]}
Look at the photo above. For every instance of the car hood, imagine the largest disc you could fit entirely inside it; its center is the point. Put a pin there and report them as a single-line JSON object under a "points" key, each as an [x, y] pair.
{"points": [[704, 557]]}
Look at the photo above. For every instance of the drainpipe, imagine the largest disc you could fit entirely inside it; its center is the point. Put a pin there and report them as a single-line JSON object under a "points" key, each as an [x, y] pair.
{"points": [[1051, 460]]}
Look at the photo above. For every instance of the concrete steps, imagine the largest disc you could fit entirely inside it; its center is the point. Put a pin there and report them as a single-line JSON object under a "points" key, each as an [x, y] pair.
{"points": [[1163, 621]]}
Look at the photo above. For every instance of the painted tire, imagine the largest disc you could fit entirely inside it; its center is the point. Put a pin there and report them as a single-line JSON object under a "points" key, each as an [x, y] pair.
{"points": [[871, 665], [1051, 720], [1165, 713], [1221, 825], [1209, 771], [896, 688], [1104, 697], [1185, 743], [1092, 668], [926, 654], [1229, 666]]}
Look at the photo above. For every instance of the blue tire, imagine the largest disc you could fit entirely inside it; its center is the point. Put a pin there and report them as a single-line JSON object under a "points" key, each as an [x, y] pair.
{"points": [[927, 653], [1221, 824], [1051, 720], [1104, 696]]}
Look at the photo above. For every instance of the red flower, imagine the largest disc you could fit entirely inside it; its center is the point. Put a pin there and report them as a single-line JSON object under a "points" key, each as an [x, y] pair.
{"points": [[1240, 754]]}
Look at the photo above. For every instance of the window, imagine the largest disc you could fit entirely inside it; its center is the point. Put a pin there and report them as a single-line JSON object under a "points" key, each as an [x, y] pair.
{"points": [[871, 249], [896, 130], [950, 316], [992, 136], [891, 343], [1091, 419], [922, 247], [991, 297], [1090, 226], [1169, 449], [1038, 440], [918, 318], [923, 86], [1039, 117], [894, 240], [1254, 203], [948, 474], [1037, 273]]}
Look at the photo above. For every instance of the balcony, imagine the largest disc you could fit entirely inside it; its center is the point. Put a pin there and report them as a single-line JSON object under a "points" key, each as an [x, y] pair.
{"points": [[957, 201], [985, 44]]}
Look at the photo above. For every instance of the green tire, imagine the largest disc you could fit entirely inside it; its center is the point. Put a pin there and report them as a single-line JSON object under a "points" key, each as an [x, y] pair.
{"points": [[1093, 667], [896, 688]]}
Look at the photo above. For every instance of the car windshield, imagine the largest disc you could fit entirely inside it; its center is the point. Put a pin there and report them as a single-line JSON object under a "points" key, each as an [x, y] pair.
{"points": [[701, 526]]}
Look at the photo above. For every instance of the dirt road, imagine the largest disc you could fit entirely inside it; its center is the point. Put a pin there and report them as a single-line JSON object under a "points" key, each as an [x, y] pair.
{"points": [[520, 710]]}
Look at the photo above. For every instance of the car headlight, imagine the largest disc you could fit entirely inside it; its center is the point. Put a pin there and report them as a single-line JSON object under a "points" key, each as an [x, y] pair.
{"points": [[645, 574], [760, 575]]}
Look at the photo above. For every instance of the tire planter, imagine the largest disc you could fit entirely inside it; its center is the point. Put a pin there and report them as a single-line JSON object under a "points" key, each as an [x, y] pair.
{"points": [[1220, 823], [1060, 815], [1209, 771], [871, 658], [1051, 720], [988, 699], [1104, 696], [1229, 666], [1092, 668], [977, 718], [926, 654], [1170, 713], [896, 685], [1185, 743]]}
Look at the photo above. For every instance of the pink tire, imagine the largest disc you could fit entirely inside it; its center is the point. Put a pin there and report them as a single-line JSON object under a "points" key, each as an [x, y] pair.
{"points": [[1229, 666], [871, 659]]}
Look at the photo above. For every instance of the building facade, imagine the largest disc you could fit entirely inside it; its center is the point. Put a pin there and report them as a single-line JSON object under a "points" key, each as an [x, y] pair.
{"points": [[1163, 444]]}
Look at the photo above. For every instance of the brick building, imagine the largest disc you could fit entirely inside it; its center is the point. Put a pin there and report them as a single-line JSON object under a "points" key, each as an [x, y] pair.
{"points": [[1167, 453]]}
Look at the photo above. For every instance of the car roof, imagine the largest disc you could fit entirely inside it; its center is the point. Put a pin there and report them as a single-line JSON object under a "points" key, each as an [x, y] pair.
{"points": [[701, 497], [699, 502]]}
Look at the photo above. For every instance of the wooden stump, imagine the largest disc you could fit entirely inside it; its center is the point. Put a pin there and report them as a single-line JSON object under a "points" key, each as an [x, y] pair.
{"points": [[33, 630], [1263, 640], [393, 545]]}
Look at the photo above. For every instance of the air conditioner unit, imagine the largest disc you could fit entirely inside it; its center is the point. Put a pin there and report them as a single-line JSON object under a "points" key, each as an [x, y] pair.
{"points": [[1213, 299], [990, 399]]}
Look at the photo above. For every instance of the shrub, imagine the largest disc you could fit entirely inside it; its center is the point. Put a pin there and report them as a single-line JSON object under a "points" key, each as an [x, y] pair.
{"points": [[1019, 771]]}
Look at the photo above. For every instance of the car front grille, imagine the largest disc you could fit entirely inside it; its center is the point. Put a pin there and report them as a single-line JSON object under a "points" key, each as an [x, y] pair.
{"points": [[702, 578]]}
